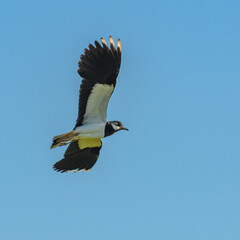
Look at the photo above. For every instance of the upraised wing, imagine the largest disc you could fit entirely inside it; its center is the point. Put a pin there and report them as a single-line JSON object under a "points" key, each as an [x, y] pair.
{"points": [[99, 67]]}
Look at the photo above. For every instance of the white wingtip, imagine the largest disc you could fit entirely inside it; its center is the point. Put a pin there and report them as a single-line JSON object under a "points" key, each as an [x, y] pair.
{"points": [[119, 45], [111, 41], [103, 42]]}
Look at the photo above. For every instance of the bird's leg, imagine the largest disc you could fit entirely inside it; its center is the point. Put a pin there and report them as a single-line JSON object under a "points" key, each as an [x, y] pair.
{"points": [[66, 140], [63, 144], [63, 139], [70, 137]]}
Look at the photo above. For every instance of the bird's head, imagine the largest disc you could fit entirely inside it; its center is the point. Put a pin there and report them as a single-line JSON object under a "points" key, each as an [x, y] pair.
{"points": [[117, 125]]}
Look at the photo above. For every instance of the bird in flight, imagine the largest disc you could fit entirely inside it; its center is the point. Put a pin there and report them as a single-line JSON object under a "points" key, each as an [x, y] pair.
{"points": [[99, 67]]}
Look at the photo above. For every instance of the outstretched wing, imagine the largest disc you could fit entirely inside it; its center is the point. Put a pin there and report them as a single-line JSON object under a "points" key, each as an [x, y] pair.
{"points": [[99, 67], [80, 155]]}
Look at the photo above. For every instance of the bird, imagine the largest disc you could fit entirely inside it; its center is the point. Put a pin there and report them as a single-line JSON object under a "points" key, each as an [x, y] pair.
{"points": [[98, 67]]}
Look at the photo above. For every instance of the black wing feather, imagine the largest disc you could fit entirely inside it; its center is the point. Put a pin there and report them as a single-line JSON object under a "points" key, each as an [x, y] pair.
{"points": [[76, 159], [99, 64]]}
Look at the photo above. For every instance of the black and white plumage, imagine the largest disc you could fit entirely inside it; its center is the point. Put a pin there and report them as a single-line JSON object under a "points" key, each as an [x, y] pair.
{"points": [[99, 67]]}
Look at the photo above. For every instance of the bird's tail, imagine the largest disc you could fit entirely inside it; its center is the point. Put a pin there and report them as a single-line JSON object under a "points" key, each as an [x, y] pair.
{"points": [[63, 139]]}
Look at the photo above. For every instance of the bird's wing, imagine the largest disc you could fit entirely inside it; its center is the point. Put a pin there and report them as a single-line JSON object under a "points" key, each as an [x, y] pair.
{"points": [[80, 155], [99, 67]]}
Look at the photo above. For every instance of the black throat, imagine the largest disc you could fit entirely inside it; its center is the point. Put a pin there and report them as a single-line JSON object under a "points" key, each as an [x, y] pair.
{"points": [[109, 130]]}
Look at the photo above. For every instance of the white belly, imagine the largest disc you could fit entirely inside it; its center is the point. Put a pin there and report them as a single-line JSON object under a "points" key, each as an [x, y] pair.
{"points": [[91, 130]]}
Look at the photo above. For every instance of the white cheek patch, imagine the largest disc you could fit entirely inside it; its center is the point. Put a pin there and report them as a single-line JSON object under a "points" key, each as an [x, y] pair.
{"points": [[116, 128], [96, 110]]}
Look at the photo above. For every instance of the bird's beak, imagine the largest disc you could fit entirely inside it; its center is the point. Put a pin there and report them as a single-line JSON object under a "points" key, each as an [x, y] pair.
{"points": [[125, 128]]}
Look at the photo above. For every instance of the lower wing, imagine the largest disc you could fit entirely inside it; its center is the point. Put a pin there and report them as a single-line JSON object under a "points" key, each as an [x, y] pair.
{"points": [[80, 155]]}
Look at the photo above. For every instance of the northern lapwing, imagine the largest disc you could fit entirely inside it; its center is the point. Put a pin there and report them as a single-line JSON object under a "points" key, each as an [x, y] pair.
{"points": [[99, 67]]}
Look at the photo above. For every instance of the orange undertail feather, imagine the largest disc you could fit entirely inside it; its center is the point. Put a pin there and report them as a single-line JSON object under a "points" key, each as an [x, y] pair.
{"points": [[63, 139]]}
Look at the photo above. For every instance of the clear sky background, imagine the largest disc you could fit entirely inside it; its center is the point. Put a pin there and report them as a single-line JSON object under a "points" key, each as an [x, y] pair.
{"points": [[175, 174]]}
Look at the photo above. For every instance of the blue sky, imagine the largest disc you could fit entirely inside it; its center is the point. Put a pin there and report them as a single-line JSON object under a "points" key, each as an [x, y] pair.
{"points": [[175, 174]]}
